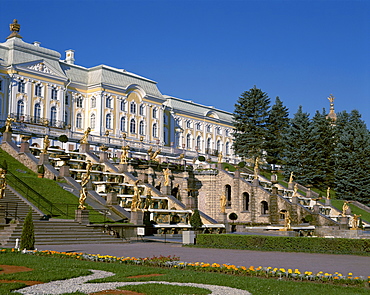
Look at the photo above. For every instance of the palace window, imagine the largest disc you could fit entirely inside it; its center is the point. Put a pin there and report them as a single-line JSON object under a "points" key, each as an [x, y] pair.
{"points": [[54, 93], [38, 89], [37, 113], [133, 126], [92, 121], [93, 102], [53, 116], [227, 148], [108, 121], [66, 99], [141, 128], [65, 118], [218, 145], [20, 109], [123, 105], [264, 208], [133, 108], [108, 102], [123, 124], [218, 130], [21, 86], [155, 130], [79, 102], [198, 126], [142, 110], [199, 142], [79, 121], [209, 128], [1, 85], [227, 132], [245, 201], [155, 113], [208, 143], [188, 141], [228, 194], [188, 124]]}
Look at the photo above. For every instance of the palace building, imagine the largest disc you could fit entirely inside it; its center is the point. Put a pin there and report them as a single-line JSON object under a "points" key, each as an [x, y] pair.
{"points": [[40, 88]]}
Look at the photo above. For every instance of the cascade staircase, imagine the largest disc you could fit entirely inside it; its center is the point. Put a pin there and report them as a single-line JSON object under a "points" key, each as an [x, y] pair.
{"points": [[47, 232]]}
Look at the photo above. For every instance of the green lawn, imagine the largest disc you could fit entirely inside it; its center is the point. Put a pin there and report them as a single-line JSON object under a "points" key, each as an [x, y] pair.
{"points": [[48, 268]]}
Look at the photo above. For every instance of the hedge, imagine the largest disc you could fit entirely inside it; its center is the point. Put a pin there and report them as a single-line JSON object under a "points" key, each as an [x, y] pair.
{"points": [[285, 244]]}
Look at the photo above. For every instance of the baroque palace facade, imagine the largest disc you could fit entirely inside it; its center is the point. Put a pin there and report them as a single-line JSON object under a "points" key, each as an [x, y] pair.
{"points": [[37, 87]]}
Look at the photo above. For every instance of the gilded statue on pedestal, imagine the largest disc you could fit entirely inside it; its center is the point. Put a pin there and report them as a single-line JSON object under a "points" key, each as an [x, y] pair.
{"points": [[46, 144], [124, 155], [86, 135], [256, 169], [223, 203], [166, 173], [84, 181], [135, 197], [8, 123], [2, 183]]}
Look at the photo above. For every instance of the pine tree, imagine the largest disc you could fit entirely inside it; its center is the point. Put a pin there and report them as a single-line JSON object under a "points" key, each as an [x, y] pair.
{"points": [[321, 173], [28, 235], [277, 123], [250, 119], [352, 158], [296, 153], [195, 220]]}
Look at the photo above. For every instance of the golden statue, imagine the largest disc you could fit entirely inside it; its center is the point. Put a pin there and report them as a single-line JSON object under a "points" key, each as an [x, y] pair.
{"points": [[86, 135], [223, 203], [219, 158], [124, 155], [135, 197], [181, 156], [155, 154], [345, 207], [8, 123], [46, 144], [328, 193], [291, 177], [84, 181], [287, 221], [256, 169], [166, 173], [2, 183], [14, 28], [295, 190], [355, 221], [148, 199]]}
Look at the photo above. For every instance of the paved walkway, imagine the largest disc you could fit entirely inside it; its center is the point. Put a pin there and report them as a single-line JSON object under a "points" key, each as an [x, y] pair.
{"points": [[358, 265]]}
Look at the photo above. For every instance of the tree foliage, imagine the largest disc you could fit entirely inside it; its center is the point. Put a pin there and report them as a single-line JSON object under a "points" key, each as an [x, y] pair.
{"points": [[195, 220], [28, 234], [250, 119]]}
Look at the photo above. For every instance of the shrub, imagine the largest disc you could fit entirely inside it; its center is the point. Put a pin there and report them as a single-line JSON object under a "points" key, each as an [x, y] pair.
{"points": [[233, 216], [63, 138], [28, 234], [202, 158], [195, 220]]}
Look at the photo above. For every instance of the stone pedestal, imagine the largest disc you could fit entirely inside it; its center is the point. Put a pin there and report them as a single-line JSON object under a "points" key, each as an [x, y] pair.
{"points": [[143, 177], [64, 171], [219, 166], [189, 203], [291, 185], [256, 182], [237, 174], [122, 168], [112, 198], [316, 209], [166, 190], [7, 137], [82, 216], [44, 159], [188, 237], [25, 147], [295, 200], [103, 157], [274, 178], [343, 222], [137, 217], [328, 202], [84, 148], [308, 193]]}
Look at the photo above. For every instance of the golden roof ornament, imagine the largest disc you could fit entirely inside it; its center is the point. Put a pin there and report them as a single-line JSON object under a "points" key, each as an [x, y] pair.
{"points": [[15, 28], [332, 115]]}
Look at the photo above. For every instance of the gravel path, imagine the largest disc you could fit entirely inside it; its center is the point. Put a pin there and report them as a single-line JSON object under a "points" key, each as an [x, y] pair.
{"points": [[80, 284]]}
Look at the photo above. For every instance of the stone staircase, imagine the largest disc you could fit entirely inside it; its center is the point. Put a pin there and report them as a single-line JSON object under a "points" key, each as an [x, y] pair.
{"points": [[47, 232]]}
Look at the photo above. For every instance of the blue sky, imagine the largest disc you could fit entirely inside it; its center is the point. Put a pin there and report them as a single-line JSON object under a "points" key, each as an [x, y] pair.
{"points": [[212, 51]]}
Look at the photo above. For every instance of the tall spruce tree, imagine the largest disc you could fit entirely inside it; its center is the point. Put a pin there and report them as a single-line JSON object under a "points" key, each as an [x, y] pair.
{"points": [[28, 235], [277, 123], [321, 173], [250, 119], [352, 158], [297, 151]]}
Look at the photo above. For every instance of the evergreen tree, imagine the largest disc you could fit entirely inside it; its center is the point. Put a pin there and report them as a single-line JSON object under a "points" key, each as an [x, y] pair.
{"points": [[321, 173], [296, 153], [28, 235], [195, 220], [277, 123], [352, 158], [250, 119]]}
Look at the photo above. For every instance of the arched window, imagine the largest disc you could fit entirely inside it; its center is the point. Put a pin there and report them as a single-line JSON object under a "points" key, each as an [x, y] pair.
{"points": [[79, 102], [218, 147], [188, 141], [38, 89], [92, 121], [133, 126], [264, 208], [142, 110], [155, 113], [198, 126], [133, 107], [208, 145], [123, 105], [155, 130], [141, 128], [37, 113], [108, 121], [21, 86], [108, 102], [199, 142], [165, 132], [228, 194], [53, 116], [123, 124], [93, 102], [79, 120], [245, 201], [20, 109], [177, 139], [54, 93], [188, 124], [227, 148], [65, 118]]}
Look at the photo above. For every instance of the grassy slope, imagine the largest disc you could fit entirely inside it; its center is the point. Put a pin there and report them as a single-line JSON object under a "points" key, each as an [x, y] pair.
{"points": [[50, 268]]}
